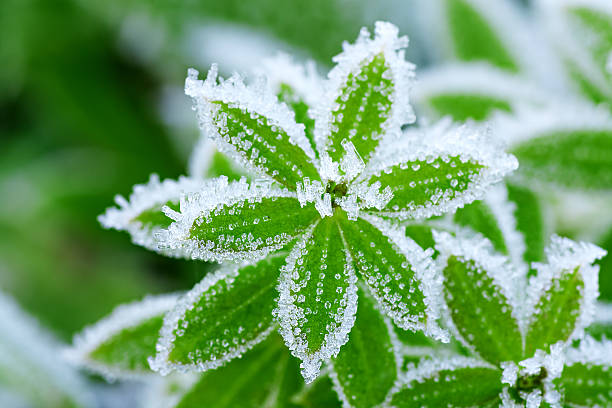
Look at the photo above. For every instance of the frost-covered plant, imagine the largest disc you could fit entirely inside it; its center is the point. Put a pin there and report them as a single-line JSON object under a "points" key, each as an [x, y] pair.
{"points": [[319, 214], [519, 332]]}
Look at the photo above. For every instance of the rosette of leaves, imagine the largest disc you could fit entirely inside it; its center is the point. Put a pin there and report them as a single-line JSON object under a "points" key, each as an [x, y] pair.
{"points": [[312, 240], [519, 331]]}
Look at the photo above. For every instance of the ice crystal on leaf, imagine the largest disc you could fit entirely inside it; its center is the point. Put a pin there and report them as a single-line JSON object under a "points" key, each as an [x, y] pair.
{"points": [[525, 343], [330, 167]]}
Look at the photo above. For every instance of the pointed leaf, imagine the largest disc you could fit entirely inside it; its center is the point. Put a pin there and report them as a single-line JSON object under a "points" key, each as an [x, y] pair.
{"points": [[586, 380], [366, 367], [298, 86], [224, 315], [473, 91], [562, 295], [370, 86], [142, 215], [444, 168], [569, 147], [236, 221], [119, 345], [478, 290], [266, 376], [251, 126], [398, 272], [454, 382], [318, 297]]}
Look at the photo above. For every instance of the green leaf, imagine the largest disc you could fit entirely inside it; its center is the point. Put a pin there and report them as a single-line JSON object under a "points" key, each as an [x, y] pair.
{"points": [[298, 105], [253, 128], [319, 394], [475, 38], [208, 162], [476, 292], [394, 269], [422, 235], [266, 376], [366, 367], [370, 100], [557, 311], [224, 315], [445, 168], [119, 345], [605, 268], [456, 382], [318, 297], [462, 107], [587, 385], [236, 222], [580, 158], [529, 221]]}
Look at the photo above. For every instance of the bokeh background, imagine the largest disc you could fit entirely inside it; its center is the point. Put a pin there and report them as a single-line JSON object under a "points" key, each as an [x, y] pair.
{"points": [[91, 103]]}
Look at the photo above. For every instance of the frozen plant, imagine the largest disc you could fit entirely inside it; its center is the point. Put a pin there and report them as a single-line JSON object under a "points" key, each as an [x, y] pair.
{"points": [[311, 245], [519, 333]]}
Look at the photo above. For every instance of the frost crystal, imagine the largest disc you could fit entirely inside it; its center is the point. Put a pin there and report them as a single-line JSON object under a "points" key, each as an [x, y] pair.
{"points": [[148, 197]]}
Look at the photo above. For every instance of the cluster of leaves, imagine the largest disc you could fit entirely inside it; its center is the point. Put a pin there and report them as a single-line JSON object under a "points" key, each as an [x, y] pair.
{"points": [[313, 247]]}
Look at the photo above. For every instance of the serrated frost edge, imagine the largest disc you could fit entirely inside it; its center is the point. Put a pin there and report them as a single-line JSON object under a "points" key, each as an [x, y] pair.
{"points": [[217, 193], [255, 98], [144, 197], [287, 314]]}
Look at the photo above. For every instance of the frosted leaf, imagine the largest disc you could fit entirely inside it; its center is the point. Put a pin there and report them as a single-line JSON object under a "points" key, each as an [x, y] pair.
{"points": [[587, 376], [399, 274], [438, 169], [433, 383], [474, 91], [496, 32], [367, 93], [581, 29], [117, 346], [314, 192], [561, 298], [207, 162], [509, 372], [533, 399], [318, 297], [482, 296], [367, 366], [142, 216], [236, 221], [31, 363], [252, 127], [200, 334], [545, 142]]}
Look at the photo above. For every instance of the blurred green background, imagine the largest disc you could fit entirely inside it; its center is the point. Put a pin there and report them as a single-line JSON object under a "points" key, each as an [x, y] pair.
{"points": [[84, 90]]}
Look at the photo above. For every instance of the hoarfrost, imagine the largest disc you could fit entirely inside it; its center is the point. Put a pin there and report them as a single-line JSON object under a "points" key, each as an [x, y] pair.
{"points": [[563, 256], [219, 194], [444, 140], [150, 196], [291, 314], [168, 333]]}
